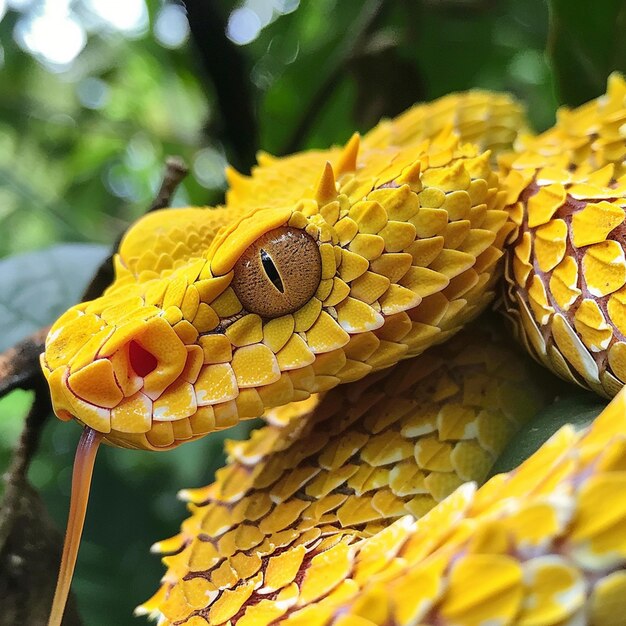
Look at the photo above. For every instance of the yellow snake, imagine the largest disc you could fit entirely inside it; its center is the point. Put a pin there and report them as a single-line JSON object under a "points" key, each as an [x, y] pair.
{"points": [[356, 505]]}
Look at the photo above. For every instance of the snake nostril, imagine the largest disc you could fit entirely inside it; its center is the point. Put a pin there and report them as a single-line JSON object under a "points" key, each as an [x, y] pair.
{"points": [[142, 361]]}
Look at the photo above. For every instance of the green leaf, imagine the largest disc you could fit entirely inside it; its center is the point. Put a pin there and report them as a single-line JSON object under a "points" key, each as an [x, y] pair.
{"points": [[13, 409], [586, 44], [579, 409], [36, 287]]}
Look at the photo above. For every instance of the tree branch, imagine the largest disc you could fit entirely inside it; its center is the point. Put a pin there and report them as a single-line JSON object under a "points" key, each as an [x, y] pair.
{"points": [[175, 171], [226, 67], [19, 365], [30, 545], [15, 478]]}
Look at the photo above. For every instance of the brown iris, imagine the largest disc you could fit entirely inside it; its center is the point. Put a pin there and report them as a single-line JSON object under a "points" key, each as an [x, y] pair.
{"points": [[278, 273]]}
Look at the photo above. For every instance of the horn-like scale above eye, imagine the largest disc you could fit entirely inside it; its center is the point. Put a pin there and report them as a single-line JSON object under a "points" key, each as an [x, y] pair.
{"points": [[278, 273]]}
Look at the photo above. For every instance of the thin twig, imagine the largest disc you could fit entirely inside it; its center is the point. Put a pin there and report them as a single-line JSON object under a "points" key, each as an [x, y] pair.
{"points": [[19, 365], [175, 171]]}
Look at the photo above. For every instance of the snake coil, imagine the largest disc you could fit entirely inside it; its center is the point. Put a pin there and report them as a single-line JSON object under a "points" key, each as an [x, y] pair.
{"points": [[332, 295]]}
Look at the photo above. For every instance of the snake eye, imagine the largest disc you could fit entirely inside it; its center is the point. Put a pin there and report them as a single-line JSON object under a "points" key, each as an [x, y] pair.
{"points": [[278, 273]]}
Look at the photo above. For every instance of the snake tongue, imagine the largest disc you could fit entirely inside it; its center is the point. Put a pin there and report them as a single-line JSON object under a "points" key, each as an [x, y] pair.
{"points": [[81, 483]]}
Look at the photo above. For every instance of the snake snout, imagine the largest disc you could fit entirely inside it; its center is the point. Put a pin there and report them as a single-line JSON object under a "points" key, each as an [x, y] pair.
{"points": [[133, 376]]}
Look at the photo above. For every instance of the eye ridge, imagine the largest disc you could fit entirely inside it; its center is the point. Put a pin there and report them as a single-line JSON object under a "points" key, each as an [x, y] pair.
{"points": [[271, 271]]}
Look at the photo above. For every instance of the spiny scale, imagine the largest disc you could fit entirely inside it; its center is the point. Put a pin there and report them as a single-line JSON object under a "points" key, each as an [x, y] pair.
{"points": [[409, 246], [326, 478], [347, 161], [307, 523], [543, 545], [409, 236], [566, 270], [326, 190]]}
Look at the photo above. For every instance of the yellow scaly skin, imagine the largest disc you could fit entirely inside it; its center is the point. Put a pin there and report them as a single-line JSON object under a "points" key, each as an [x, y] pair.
{"points": [[307, 523], [544, 545], [566, 272], [393, 444], [409, 228]]}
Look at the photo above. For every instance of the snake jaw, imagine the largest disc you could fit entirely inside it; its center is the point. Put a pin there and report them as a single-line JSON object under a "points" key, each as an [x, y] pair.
{"points": [[406, 245]]}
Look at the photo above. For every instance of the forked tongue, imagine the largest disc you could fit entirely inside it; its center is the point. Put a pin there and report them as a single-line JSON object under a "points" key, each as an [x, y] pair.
{"points": [[81, 483]]}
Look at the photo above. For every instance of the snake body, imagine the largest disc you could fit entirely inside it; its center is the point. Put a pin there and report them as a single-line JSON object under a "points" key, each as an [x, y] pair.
{"points": [[567, 271], [355, 505]]}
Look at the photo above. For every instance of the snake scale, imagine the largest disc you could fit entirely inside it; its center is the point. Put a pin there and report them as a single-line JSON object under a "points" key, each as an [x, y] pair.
{"points": [[335, 294]]}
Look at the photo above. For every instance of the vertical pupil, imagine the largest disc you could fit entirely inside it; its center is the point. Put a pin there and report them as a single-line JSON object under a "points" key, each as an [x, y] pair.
{"points": [[271, 271]]}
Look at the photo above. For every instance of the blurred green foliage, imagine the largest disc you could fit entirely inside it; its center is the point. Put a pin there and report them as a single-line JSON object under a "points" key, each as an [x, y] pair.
{"points": [[585, 46], [95, 93]]}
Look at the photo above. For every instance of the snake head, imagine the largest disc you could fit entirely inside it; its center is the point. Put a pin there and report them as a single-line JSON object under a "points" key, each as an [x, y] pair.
{"points": [[218, 315]]}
